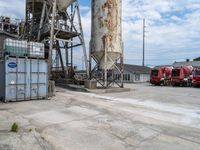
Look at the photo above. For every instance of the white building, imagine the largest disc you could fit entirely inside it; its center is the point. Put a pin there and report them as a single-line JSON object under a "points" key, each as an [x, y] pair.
{"points": [[134, 74]]}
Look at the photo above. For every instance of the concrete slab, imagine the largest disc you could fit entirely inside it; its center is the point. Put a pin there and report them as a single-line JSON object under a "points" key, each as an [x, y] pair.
{"points": [[149, 118], [109, 90]]}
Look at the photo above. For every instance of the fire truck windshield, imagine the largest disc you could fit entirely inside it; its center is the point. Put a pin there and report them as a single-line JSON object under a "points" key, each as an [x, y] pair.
{"points": [[175, 72], [197, 72], [154, 72]]}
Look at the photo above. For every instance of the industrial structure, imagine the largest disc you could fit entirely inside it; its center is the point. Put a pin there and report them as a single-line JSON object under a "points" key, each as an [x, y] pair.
{"points": [[8, 29], [24, 69], [40, 50], [57, 23], [106, 49]]}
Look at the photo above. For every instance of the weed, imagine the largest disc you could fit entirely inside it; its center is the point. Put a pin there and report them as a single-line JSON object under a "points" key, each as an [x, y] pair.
{"points": [[14, 127]]}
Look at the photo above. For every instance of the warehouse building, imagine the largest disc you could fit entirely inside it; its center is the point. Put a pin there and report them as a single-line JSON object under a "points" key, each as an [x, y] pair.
{"points": [[134, 74], [187, 63]]}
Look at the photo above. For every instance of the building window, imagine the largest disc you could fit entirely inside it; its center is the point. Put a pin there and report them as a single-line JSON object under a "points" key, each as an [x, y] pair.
{"points": [[117, 76], [129, 77], [137, 77], [125, 77]]}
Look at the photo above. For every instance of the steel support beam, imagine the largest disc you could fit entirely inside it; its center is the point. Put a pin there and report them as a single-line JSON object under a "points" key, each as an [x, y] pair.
{"points": [[51, 38]]}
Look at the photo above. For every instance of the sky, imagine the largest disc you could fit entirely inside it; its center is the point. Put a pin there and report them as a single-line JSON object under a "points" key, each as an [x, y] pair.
{"points": [[172, 28]]}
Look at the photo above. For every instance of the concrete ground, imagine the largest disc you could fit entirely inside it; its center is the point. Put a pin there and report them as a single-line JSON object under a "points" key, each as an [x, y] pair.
{"points": [[146, 118]]}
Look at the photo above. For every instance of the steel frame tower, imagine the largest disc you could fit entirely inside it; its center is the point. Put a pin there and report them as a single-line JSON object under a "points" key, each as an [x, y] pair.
{"points": [[106, 78], [61, 31]]}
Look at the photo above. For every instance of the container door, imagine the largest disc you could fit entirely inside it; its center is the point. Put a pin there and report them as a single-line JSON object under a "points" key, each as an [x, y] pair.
{"points": [[38, 79], [16, 74]]}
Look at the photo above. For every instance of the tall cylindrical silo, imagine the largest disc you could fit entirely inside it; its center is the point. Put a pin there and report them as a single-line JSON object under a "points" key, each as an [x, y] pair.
{"points": [[106, 37]]}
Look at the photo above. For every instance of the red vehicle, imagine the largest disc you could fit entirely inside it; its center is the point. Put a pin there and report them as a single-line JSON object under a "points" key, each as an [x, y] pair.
{"points": [[182, 76], [196, 77], [161, 75]]}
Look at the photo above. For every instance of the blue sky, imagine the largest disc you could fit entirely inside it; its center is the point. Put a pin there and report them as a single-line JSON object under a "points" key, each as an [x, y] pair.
{"points": [[172, 32], [84, 2]]}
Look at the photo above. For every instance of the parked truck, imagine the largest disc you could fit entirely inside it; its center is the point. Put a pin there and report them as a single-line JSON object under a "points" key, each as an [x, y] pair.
{"points": [[181, 76], [196, 77], [161, 76]]}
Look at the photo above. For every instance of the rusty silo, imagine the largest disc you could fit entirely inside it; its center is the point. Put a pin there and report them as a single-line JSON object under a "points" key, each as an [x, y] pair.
{"points": [[106, 40]]}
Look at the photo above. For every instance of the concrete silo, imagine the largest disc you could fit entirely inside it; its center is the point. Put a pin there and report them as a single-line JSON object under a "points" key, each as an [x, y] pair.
{"points": [[106, 39]]}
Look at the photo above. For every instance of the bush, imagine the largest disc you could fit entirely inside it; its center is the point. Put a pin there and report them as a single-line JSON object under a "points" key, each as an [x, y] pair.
{"points": [[14, 127]]}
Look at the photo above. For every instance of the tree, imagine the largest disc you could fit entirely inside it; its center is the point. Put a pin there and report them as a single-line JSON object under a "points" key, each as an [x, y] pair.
{"points": [[197, 59]]}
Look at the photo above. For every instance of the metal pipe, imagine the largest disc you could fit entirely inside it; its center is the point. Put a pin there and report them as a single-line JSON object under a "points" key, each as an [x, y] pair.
{"points": [[42, 19], [105, 69], [122, 66], [83, 43]]}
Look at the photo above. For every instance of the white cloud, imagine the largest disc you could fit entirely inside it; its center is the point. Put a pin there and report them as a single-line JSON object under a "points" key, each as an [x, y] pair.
{"points": [[169, 37], [12, 8], [173, 31]]}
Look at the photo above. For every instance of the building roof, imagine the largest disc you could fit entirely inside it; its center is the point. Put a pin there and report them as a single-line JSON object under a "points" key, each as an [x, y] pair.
{"points": [[137, 69], [187, 63], [157, 67]]}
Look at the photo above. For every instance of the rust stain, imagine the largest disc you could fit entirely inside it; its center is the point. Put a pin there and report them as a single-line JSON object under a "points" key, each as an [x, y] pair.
{"points": [[101, 23], [110, 7], [111, 21], [107, 24]]}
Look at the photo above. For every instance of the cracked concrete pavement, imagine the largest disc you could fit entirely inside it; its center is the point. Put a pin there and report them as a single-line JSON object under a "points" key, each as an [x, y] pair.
{"points": [[146, 118]]}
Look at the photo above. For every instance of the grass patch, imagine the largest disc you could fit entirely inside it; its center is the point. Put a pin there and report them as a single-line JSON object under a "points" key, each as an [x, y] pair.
{"points": [[14, 127]]}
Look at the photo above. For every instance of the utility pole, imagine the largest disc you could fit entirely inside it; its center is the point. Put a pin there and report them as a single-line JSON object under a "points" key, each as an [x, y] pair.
{"points": [[144, 27]]}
